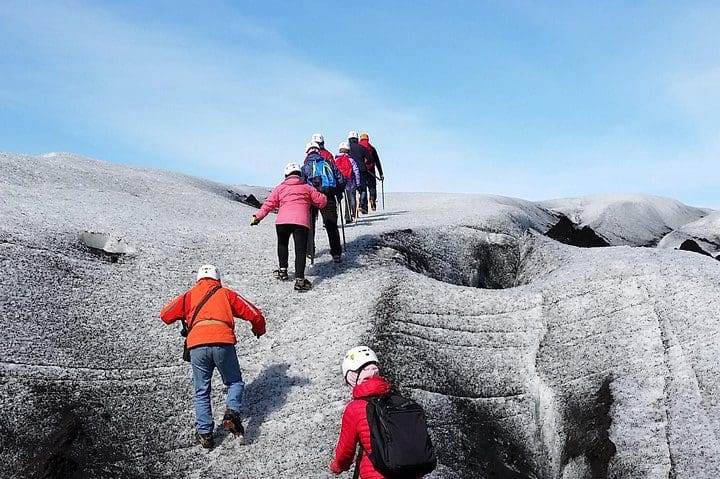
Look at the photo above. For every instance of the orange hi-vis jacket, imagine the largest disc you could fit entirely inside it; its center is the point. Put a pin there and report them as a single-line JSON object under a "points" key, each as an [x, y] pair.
{"points": [[214, 323]]}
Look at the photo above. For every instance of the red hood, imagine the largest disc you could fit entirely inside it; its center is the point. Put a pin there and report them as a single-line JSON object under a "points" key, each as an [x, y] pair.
{"points": [[372, 387], [364, 143]]}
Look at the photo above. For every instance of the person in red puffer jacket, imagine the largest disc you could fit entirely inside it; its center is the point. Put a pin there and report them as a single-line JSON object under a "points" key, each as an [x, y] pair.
{"points": [[361, 373]]}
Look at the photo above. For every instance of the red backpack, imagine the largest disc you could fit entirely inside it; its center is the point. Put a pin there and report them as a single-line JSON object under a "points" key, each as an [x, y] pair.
{"points": [[343, 164]]}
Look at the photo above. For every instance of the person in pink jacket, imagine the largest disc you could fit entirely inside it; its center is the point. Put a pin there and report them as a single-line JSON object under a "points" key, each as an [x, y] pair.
{"points": [[293, 197]]}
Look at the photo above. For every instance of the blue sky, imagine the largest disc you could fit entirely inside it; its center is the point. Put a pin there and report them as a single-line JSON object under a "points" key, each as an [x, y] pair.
{"points": [[518, 98]]}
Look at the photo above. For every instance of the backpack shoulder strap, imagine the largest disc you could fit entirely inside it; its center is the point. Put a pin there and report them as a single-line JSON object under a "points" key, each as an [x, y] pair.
{"points": [[202, 303], [316, 165]]}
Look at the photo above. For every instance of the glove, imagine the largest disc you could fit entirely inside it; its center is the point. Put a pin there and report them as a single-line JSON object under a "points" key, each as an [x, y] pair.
{"points": [[382, 178], [257, 335], [254, 220], [335, 468]]}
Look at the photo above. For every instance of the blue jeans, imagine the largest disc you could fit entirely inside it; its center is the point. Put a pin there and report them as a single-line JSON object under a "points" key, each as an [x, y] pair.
{"points": [[204, 360]]}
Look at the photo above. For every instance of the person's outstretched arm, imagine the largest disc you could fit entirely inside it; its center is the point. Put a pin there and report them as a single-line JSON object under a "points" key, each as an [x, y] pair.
{"points": [[174, 310], [272, 202], [244, 309]]}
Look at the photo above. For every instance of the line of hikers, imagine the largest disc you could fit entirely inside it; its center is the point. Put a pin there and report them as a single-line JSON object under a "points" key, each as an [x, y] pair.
{"points": [[208, 309], [357, 159], [319, 186], [401, 447]]}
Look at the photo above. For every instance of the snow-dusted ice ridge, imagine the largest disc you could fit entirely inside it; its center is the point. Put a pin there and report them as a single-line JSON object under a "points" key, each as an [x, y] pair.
{"points": [[533, 359]]}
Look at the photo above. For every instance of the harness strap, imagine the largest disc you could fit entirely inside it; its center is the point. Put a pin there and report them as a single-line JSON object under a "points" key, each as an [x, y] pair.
{"points": [[190, 325]]}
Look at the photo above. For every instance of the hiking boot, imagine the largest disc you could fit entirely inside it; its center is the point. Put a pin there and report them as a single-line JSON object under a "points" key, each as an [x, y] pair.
{"points": [[281, 274], [373, 206], [364, 211], [302, 284], [233, 422], [206, 440], [337, 258]]}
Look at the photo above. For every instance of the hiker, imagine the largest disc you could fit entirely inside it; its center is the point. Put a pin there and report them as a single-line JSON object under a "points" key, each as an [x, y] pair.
{"points": [[293, 197], [208, 310], [404, 445], [361, 156], [319, 140], [349, 169], [361, 373], [371, 178], [327, 179]]}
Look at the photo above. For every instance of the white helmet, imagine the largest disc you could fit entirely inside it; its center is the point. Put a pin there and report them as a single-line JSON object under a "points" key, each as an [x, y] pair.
{"points": [[310, 146], [343, 146], [356, 358], [352, 134], [208, 271], [318, 138], [291, 168]]}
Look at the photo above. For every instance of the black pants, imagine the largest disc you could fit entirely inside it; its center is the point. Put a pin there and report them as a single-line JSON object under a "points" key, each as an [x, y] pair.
{"points": [[330, 220], [368, 184], [300, 238], [371, 185]]}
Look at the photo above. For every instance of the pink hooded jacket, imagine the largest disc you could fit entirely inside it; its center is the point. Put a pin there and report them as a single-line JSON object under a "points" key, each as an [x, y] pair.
{"points": [[294, 198]]}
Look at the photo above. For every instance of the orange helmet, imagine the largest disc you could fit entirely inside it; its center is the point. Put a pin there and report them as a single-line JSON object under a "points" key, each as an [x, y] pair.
{"points": [[364, 136]]}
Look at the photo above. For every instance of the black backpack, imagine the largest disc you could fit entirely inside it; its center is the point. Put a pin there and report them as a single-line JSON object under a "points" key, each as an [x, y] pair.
{"points": [[399, 439]]}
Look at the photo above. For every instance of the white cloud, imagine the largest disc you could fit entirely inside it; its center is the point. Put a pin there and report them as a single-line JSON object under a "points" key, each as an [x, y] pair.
{"points": [[241, 113], [237, 112]]}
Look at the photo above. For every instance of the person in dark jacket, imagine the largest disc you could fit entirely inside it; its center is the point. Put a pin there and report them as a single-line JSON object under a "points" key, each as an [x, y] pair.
{"points": [[371, 178], [311, 172], [361, 156]]}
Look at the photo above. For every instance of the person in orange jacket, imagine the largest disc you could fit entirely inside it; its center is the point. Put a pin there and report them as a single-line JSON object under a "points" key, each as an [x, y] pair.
{"points": [[208, 310]]}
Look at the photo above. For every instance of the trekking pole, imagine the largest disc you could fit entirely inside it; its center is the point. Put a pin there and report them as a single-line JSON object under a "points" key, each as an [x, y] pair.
{"points": [[347, 204], [382, 187], [357, 206], [311, 236], [342, 224], [382, 190]]}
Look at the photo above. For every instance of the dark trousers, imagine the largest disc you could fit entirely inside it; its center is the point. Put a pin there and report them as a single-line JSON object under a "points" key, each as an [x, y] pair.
{"points": [[371, 185], [300, 238], [350, 204], [330, 220], [368, 183]]}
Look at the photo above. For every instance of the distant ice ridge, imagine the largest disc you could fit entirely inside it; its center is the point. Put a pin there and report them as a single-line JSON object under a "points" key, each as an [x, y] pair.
{"points": [[532, 358], [705, 232], [627, 219]]}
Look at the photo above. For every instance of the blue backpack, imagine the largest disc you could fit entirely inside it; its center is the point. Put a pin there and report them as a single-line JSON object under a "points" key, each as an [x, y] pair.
{"points": [[322, 176]]}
